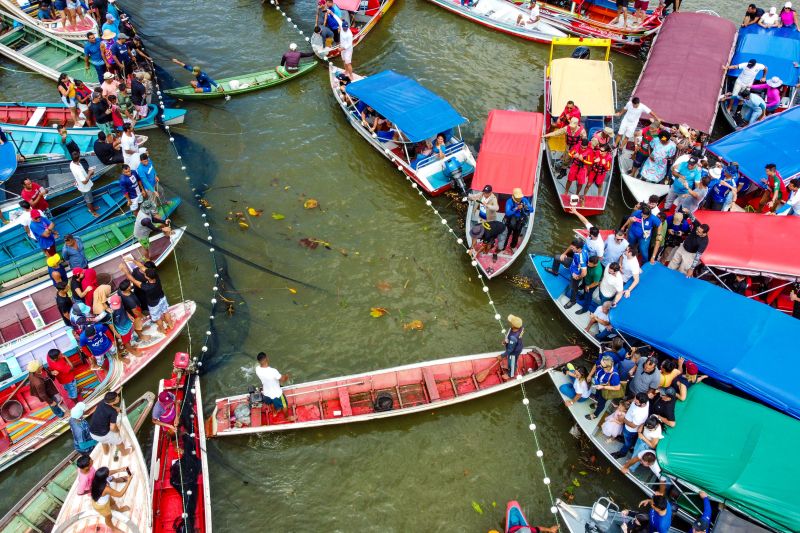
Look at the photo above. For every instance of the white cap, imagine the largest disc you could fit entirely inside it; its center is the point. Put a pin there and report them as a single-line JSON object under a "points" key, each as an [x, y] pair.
{"points": [[292, 47], [787, 4], [773, 10]]}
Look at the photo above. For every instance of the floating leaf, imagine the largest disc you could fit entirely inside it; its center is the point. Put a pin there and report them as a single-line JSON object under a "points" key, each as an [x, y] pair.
{"points": [[309, 243], [287, 188], [277, 216], [377, 312], [343, 251], [583, 473], [494, 504], [293, 291], [310, 203], [243, 224], [477, 507], [576, 482], [384, 286], [254, 212], [414, 324]]}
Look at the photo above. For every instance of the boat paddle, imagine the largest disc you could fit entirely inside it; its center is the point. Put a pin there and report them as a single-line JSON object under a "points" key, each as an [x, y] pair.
{"points": [[14, 142], [481, 376]]}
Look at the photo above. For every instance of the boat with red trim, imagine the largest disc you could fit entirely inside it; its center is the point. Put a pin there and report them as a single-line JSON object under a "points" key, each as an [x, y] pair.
{"points": [[365, 15]]}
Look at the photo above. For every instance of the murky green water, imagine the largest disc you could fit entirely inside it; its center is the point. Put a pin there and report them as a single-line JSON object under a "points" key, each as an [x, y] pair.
{"points": [[274, 149]]}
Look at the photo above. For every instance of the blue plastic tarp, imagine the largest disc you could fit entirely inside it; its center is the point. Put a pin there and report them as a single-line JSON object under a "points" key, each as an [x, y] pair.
{"points": [[8, 161], [733, 339], [416, 111], [775, 139], [776, 48]]}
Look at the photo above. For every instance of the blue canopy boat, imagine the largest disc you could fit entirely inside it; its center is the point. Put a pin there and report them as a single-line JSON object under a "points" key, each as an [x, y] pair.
{"points": [[417, 117], [43, 115], [731, 338], [8, 161], [776, 48]]}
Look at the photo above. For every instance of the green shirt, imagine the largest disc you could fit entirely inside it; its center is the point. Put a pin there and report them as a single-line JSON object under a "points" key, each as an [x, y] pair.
{"points": [[593, 274]]}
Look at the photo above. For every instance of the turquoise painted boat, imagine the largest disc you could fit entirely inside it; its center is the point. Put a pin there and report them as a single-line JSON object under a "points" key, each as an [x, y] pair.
{"points": [[25, 260], [46, 115], [8, 161], [46, 141]]}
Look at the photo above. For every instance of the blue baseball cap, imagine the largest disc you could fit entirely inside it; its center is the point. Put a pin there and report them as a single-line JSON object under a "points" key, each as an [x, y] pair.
{"points": [[732, 170]]}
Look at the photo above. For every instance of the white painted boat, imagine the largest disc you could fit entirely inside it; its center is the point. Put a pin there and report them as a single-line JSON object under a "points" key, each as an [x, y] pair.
{"points": [[28, 11], [604, 515], [381, 393], [77, 514], [641, 189]]}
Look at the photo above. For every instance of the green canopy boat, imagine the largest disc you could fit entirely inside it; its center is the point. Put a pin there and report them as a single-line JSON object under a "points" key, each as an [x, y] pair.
{"points": [[20, 265], [740, 452], [240, 84]]}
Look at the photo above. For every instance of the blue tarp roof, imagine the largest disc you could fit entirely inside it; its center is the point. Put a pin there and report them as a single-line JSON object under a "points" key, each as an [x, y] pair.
{"points": [[416, 111], [776, 48], [775, 139], [731, 338]]}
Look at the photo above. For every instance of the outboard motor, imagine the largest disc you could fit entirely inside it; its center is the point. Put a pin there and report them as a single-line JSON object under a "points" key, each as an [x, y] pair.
{"points": [[581, 52], [452, 169], [254, 396]]}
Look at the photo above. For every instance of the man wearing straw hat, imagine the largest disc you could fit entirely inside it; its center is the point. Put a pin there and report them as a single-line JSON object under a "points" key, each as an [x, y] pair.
{"points": [[513, 344]]}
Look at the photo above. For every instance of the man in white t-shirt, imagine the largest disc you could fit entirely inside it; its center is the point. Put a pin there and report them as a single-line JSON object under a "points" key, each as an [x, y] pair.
{"points": [[770, 19], [129, 146], [83, 181], [611, 287], [22, 216], [633, 110], [594, 241], [630, 269], [346, 42], [634, 418], [648, 459], [532, 19], [271, 381], [746, 78]]}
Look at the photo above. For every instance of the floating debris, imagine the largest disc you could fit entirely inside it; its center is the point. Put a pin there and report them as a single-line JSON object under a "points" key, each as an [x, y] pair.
{"points": [[311, 204], [377, 312], [414, 325]]}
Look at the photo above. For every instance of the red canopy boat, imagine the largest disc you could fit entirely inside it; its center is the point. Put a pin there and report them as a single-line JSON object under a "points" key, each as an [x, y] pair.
{"points": [[381, 393], [510, 158]]}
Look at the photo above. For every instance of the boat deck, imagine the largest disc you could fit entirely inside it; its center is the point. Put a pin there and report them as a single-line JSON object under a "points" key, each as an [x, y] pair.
{"points": [[38, 47]]}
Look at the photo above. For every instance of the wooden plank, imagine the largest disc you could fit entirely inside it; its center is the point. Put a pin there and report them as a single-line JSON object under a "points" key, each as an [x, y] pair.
{"points": [[430, 384], [344, 402]]}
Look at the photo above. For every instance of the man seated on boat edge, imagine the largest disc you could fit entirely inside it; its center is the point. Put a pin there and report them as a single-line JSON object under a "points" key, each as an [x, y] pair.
{"points": [[576, 259], [203, 82], [530, 22]]}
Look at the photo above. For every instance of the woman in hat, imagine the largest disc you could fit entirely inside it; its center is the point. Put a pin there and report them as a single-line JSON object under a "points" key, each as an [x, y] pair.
{"points": [[655, 166], [109, 87], [773, 88], [107, 41], [789, 17], [165, 411], [514, 346]]}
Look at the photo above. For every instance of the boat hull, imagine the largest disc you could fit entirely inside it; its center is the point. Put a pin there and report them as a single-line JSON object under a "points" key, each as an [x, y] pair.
{"points": [[55, 113], [28, 11], [640, 189], [414, 388], [491, 267]]}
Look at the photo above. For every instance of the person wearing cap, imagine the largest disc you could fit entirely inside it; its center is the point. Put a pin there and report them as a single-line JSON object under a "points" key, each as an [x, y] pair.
{"points": [[44, 232], [754, 108], [769, 19], [690, 375], [721, 188], [747, 76], [661, 151], [688, 254], [513, 346], [110, 85], [103, 425], [703, 522], [685, 175], [56, 269], [488, 205], [290, 61], [576, 259], [122, 55], [34, 194], [485, 235], [42, 387], [93, 56], [662, 406], [122, 324], [690, 201], [789, 17], [346, 44], [165, 411], [110, 25], [97, 339], [518, 210], [633, 109], [147, 222], [640, 227], [202, 82]]}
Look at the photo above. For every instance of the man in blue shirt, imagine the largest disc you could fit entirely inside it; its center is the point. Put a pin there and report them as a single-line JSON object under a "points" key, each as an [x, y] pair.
{"points": [[686, 174], [122, 54], [660, 514], [202, 82], [44, 232], [333, 19], [721, 189], [576, 259], [131, 186], [95, 337], [72, 252], [703, 524], [640, 226], [518, 209], [147, 173], [93, 56]]}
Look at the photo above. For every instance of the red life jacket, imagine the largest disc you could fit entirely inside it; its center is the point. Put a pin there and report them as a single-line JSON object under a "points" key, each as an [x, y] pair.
{"points": [[601, 162], [573, 138]]}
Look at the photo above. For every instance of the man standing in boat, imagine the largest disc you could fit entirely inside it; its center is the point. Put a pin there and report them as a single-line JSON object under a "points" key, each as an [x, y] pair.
{"points": [[271, 381], [513, 345], [634, 109]]}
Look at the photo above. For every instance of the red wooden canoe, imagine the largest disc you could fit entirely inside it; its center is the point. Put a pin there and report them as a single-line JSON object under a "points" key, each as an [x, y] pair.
{"points": [[167, 502], [412, 388]]}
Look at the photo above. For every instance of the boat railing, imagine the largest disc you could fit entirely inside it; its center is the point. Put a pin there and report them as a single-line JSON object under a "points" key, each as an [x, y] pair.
{"points": [[450, 150]]}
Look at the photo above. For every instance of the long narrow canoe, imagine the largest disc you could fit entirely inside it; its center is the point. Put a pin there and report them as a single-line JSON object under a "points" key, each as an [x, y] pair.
{"points": [[411, 388], [38, 50], [77, 514], [35, 511], [365, 15], [33, 141], [28, 11], [22, 260], [168, 505], [39, 426], [241, 84], [46, 115]]}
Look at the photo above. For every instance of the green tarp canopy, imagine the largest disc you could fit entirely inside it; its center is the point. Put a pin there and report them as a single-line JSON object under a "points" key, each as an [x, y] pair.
{"points": [[738, 451]]}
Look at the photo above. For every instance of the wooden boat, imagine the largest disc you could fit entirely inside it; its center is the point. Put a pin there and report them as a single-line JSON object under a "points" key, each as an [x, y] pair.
{"points": [[8, 161], [515, 518], [598, 19], [641, 189], [46, 115], [241, 84], [168, 505], [364, 17], [35, 141], [28, 11], [37, 426], [22, 260], [411, 388], [29, 45], [502, 16], [779, 50], [36, 510], [77, 514], [30, 307], [556, 286], [414, 122], [590, 84], [72, 216], [510, 157], [604, 515]]}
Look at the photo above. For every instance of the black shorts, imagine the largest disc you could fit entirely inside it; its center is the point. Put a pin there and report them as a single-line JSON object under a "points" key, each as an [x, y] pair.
{"points": [[622, 3]]}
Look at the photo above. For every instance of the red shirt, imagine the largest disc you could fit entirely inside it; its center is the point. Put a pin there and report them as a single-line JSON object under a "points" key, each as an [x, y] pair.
{"points": [[27, 195], [65, 372]]}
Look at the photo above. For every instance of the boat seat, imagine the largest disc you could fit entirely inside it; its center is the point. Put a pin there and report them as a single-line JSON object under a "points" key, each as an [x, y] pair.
{"points": [[37, 116], [69, 59], [26, 50], [430, 384], [344, 402]]}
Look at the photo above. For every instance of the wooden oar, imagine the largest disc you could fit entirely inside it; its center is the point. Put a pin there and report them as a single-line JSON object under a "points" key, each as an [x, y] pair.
{"points": [[481, 376]]}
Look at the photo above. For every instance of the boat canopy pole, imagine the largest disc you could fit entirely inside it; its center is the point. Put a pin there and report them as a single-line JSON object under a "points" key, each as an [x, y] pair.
{"points": [[715, 276], [770, 290], [11, 193], [405, 149]]}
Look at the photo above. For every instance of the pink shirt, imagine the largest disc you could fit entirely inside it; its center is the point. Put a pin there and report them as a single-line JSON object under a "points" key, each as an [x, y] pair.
{"points": [[787, 17], [85, 481], [773, 94]]}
